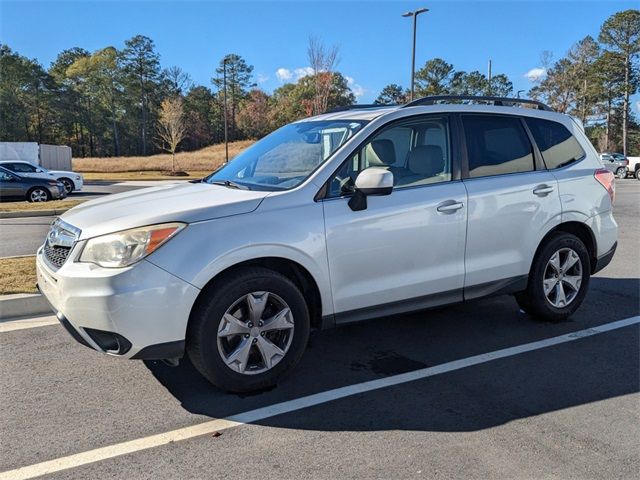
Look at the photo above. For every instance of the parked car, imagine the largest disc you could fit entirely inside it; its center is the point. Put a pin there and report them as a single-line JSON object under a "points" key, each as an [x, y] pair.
{"points": [[634, 166], [32, 189], [616, 163], [334, 219], [72, 181]]}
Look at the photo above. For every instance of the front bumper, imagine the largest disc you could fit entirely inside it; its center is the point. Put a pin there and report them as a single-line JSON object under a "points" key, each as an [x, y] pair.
{"points": [[78, 183], [58, 193], [135, 312]]}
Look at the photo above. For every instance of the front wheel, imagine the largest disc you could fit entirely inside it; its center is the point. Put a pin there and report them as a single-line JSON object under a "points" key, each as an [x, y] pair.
{"points": [[38, 194], [250, 331], [68, 185], [558, 280]]}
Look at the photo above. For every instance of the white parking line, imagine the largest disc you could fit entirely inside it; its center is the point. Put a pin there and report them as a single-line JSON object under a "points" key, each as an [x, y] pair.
{"points": [[118, 449], [11, 325]]}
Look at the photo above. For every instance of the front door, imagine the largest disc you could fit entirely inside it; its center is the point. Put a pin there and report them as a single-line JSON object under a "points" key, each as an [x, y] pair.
{"points": [[406, 250]]}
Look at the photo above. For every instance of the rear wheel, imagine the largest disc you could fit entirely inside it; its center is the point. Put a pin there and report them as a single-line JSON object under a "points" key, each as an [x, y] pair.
{"points": [[250, 332], [38, 194], [621, 173], [637, 174], [558, 280]]}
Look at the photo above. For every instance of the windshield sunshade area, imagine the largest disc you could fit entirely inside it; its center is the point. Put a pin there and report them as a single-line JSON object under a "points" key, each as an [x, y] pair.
{"points": [[286, 157]]}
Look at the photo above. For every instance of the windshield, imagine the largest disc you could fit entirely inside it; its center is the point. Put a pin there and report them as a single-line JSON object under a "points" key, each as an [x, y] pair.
{"points": [[286, 157]]}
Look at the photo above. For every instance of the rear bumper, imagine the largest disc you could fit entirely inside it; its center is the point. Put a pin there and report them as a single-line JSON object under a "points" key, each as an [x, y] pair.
{"points": [[605, 259]]}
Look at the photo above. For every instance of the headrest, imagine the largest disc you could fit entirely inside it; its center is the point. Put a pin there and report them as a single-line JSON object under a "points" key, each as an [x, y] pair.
{"points": [[381, 153], [426, 160]]}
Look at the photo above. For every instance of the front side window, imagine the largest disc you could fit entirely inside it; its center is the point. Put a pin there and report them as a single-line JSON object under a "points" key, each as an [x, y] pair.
{"points": [[286, 157], [557, 146], [496, 145], [23, 168], [417, 152], [4, 176]]}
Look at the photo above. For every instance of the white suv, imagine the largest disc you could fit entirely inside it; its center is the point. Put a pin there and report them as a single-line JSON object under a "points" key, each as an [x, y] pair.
{"points": [[358, 213]]}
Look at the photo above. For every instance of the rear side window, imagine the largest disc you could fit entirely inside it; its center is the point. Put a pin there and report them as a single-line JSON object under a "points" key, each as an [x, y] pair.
{"points": [[496, 145], [557, 146]]}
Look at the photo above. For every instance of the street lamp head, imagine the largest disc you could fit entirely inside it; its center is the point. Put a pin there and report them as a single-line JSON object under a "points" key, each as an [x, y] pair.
{"points": [[416, 13]]}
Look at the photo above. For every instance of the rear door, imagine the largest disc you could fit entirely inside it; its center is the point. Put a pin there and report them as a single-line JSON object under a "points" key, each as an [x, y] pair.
{"points": [[513, 201]]}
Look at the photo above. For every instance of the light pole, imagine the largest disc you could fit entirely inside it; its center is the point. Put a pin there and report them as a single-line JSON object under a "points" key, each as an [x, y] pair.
{"points": [[518, 95], [414, 14], [224, 87]]}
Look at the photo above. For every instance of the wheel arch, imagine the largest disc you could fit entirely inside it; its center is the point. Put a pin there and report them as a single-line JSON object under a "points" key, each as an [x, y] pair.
{"points": [[291, 269], [580, 230]]}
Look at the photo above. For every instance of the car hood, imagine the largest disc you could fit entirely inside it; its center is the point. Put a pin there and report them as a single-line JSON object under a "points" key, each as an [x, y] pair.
{"points": [[63, 173], [186, 202]]}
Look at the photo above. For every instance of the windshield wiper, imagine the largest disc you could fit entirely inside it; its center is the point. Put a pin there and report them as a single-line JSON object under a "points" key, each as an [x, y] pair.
{"points": [[229, 184]]}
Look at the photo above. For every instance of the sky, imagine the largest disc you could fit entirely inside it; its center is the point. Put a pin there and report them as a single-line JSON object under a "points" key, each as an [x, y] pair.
{"points": [[373, 38]]}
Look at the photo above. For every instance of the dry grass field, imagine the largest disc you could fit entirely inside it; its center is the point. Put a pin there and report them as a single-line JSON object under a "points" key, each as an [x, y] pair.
{"points": [[27, 207], [17, 275], [204, 160]]}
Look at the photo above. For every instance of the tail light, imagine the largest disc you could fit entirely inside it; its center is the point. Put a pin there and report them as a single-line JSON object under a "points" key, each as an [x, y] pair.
{"points": [[607, 180], [626, 162]]}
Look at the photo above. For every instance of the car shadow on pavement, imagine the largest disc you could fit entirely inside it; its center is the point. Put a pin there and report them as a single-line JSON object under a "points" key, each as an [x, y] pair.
{"points": [[587, 370]]}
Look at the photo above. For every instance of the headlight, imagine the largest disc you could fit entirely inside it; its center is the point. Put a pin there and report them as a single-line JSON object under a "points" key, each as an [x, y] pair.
{"points": [[125, 248]]}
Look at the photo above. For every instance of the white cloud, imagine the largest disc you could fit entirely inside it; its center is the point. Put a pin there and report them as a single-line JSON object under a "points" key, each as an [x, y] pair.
{"points": [[303, 72], [283, 74], [262, 78], [535, 74], [357, 89]]}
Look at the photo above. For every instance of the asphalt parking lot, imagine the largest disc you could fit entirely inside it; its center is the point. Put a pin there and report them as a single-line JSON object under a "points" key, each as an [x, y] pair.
{"points": [[564, 407], [23, 236]]}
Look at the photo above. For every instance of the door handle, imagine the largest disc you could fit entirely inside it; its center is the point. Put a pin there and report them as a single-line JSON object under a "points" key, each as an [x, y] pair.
{"points": [[450, 206], [542, 190]]}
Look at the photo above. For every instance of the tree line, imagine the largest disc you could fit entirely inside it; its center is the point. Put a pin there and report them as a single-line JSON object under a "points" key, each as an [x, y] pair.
{"points": [[593, 82], [121, 102], [115, 102]]}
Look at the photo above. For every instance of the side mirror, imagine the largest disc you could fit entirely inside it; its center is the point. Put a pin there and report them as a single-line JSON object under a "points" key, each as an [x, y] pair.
{"points": [[371, 181]]}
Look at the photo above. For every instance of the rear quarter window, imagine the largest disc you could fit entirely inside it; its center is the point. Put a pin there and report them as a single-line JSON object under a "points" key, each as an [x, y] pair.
{"points": [[555, 142]]}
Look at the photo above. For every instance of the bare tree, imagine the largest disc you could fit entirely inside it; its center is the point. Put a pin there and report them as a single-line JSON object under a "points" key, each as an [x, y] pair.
{"points": [[171, 127], [322, 61]]}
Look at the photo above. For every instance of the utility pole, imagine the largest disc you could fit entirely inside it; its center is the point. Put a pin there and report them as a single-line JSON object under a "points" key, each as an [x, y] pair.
{"points": [[226, 132], [489, 77], [414, 14]]}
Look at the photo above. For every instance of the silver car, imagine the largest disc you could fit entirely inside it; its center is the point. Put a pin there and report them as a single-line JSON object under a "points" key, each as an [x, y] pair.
{"points": [[349, 215], [616, 163]]}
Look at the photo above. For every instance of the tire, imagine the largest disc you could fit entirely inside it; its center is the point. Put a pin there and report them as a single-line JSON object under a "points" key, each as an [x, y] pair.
{"points": [[213, 354], [549, 306], [38, 194], [68, 185], [637, 174], [621, 173]]}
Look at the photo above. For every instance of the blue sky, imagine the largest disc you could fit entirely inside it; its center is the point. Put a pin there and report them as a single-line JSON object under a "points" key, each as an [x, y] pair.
{"points": [[374, 39]]}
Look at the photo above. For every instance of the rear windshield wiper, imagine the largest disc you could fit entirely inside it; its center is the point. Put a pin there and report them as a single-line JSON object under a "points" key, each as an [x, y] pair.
{"points": [[229, 184]]}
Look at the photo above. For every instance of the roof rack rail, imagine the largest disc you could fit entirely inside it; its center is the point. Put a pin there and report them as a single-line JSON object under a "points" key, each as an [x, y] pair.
{"points": [[360, 106], [498, 101]]}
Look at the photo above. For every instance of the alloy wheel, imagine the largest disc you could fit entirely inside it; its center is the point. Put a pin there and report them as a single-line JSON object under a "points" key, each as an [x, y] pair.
{"points": [[38, 195], [562, 277], [68, 186], [255, 333]]}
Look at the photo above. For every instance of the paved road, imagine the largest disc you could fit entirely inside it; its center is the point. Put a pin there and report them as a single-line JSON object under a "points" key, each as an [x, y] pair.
{"points": [[569, 410], [23, 236]]}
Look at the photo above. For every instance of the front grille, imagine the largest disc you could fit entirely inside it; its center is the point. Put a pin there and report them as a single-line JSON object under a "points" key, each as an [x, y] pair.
{"points": [[55, 255]]}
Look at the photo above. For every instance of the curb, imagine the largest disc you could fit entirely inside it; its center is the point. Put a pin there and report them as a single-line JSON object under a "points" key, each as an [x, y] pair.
{"points": [[33, 213], [23, 305]]}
